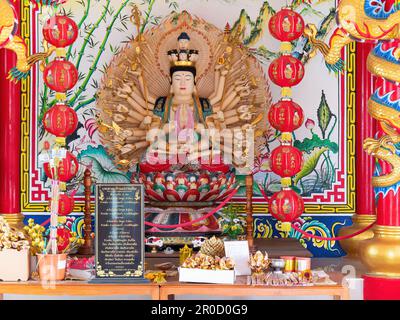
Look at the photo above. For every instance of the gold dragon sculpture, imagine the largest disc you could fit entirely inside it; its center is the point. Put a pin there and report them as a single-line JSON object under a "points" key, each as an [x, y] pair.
{"points": [[11, 41], [378, 22]]}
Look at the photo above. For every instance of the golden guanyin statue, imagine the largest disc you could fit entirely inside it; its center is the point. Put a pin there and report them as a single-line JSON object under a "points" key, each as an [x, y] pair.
{"points": [[189, 80]]}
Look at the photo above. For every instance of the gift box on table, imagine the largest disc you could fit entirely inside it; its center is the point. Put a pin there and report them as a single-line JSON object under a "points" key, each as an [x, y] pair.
{"points": [[207, 276], [14, 265]]}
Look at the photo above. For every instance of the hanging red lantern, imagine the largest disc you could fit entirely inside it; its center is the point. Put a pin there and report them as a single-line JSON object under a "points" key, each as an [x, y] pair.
{"points": [[286, 205], [60, 120], [286, 161], [60, 75], [286, 116], [65, 204], [286, 25], [67, 168], [60, 31], [286, 71]]}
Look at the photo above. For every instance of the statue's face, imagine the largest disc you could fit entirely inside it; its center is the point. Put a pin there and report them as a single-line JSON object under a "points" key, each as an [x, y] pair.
{"points": [[184, 44], [182, 83]]}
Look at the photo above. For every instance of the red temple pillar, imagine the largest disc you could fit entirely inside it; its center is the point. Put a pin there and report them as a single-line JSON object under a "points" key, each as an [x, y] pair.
{"points": [[10, 139], [365, 128], [381, 254]]}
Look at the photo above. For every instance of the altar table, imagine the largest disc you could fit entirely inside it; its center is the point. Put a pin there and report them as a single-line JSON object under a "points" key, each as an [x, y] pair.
{"points": [[240, 289], [78, 288], [167, 290]]}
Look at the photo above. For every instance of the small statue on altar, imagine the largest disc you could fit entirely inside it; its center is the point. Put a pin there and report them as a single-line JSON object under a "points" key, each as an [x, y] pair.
{"points": [[183, 53]]}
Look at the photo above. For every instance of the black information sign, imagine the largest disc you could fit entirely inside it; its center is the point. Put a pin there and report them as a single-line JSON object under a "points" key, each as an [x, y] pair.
{"points": [[119, 240]]}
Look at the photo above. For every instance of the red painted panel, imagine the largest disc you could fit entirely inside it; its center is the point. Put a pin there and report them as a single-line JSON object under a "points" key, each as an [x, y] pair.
{"points": [[365, 128], [10, 134], [381, 288]]}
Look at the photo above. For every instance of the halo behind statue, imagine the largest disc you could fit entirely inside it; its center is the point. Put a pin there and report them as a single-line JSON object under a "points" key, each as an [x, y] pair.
{"points": [[147, 56]]}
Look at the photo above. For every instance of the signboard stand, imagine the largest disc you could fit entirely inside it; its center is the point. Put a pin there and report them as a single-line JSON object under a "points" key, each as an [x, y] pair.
{"points": [[119, 242]]}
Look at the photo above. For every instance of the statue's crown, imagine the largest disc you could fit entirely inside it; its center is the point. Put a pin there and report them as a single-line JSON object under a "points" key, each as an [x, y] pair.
{"points": [[183, 63], [183, 56]]}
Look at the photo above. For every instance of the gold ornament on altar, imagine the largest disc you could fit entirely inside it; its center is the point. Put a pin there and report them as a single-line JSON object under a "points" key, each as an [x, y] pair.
{"points": [[35, 233], [207, 262], [213, 247], [184, 253], [10, 238], [259, 262], [181, 77], [156, 277]]}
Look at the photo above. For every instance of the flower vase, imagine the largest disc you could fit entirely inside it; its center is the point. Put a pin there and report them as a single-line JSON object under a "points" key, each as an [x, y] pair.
{"points": [[52, 267]]}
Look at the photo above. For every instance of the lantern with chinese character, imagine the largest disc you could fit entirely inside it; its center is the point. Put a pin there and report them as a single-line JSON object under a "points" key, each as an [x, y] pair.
{"points": [[286, 206], [60, 31], [60, 120], [65, 204], [286, 71], [286, 161], [67, 168], [286, 116], [60, 75], [286, 25]]}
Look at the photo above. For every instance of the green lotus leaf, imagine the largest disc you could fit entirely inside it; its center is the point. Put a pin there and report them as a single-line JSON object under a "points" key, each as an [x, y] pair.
{"points": [[275, 187], [308, 145], [309, 165], [103, 168]]}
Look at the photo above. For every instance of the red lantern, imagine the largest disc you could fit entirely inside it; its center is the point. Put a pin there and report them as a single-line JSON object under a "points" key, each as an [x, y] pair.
{"points": [[286, 161], [286, 205], [286, 71], [65, 204], [60, 31], [60, 120], [60, 75], [286, 116], [67, 168], [286, 25]]}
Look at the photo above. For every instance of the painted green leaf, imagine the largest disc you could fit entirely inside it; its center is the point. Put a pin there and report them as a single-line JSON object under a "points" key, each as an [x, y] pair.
{"points": [[256, 188], [103, 168], [309, 165], [308, 145], [324, 114], [274, 187]]}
